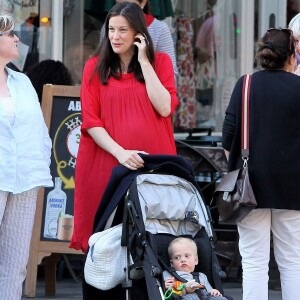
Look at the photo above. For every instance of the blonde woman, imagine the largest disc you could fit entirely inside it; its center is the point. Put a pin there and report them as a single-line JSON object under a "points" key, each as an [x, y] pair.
{"points": [[294, 25], [25, 149]]}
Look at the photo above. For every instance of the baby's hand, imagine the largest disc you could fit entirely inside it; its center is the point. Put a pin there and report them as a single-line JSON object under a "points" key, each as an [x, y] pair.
{"points": [[169, 283], [192, 285], [215, 292]]}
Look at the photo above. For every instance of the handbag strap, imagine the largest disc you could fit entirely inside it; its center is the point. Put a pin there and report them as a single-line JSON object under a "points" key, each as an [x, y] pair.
{"points": [[245, 117]]}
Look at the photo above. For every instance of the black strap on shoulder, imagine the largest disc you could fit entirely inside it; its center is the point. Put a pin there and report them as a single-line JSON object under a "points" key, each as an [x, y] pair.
{"points": [[201, 293]]}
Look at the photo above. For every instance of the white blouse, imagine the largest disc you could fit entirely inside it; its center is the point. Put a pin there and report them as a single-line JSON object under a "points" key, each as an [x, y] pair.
{"points": [[25, 147], [9, 109]]}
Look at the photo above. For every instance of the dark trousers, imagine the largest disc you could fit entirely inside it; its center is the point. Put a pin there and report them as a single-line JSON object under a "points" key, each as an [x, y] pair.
{"points": [[91, 293], [138, 292]]}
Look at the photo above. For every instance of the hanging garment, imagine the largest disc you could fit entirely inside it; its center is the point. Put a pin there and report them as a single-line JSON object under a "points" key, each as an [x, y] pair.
{"points": [[206, 46], [186, 113]]}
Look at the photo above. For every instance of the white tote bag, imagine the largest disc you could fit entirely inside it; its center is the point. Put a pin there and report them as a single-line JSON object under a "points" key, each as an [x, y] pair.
{"points": [[106, 261]]}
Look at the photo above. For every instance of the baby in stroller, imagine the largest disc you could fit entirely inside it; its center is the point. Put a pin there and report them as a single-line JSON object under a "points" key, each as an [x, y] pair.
{"points": [[183, 258]]}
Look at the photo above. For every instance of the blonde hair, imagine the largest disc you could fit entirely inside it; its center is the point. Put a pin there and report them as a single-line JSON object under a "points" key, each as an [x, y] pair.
{"points": [[6, 23], [294, 24], [182, 240]]}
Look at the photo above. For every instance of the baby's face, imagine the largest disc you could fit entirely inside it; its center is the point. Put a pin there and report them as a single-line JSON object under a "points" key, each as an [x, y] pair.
{"points": [[184, 257]]}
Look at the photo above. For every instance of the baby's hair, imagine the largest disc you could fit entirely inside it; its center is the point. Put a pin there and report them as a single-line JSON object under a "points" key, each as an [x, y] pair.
{"points": [[181, 240]]}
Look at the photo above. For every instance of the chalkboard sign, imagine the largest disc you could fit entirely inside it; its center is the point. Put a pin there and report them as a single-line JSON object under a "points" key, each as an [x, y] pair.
{"points": [[64, 129], [54, 215]]}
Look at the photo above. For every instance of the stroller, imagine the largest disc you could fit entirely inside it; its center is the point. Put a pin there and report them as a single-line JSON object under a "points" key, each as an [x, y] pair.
{"points": [[156, 204]]}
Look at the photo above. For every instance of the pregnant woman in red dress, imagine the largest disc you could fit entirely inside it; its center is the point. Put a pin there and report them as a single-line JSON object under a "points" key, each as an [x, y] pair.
{"points": [[128, 96]]}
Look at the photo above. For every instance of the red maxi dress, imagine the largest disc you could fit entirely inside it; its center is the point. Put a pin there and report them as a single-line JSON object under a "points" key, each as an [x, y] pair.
{"points": [[124, 109]]}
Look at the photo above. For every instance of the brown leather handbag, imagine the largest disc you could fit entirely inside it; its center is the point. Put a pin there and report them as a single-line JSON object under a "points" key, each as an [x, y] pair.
{"points": [[234, 195]]}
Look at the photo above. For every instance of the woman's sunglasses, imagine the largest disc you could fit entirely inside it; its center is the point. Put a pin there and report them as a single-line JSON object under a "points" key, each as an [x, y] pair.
{"points": [[10, 33], [289, 32]]}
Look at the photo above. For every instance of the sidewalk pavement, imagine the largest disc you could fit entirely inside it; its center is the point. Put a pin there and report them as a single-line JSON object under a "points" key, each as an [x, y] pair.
{"points": [[235, 290], [68, 289]]}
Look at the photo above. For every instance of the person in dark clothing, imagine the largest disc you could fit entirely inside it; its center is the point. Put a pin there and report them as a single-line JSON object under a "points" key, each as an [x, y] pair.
{"points": [[49, 71], [274, 165]]}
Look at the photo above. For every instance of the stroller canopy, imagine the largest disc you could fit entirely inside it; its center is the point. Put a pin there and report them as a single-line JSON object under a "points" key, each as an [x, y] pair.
{"points": [[171, 204], [121, 178]]}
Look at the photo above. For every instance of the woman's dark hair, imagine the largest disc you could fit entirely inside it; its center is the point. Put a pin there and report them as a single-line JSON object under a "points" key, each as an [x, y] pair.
{"points": [[48, 71], [109, 62], [275, 47], [146, 8]]}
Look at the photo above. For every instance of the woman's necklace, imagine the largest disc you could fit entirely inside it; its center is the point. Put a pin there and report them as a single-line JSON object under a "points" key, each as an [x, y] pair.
{"points": [[123, 68]]}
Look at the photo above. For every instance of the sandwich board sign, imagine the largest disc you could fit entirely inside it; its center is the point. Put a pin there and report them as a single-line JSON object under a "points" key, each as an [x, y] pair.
{"points": [[55, 206]]}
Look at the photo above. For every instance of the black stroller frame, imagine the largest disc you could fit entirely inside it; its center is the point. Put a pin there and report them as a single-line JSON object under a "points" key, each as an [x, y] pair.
{"points": [[143, 247], [149, 266], [207, 157]]}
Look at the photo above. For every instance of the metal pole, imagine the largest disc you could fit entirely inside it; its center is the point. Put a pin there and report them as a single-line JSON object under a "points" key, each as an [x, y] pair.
{"points": [[57, 29], [247, 36]]}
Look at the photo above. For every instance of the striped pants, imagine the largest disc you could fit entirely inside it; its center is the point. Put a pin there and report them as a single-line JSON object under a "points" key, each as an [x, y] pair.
{"points": [[17, 213]]}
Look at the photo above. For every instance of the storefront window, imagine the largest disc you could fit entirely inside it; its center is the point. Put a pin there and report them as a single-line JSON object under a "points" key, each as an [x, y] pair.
{"points": [[206, 40], [81, 36], [206, 34], [206, 37], [73, 40], [208, 43]]}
